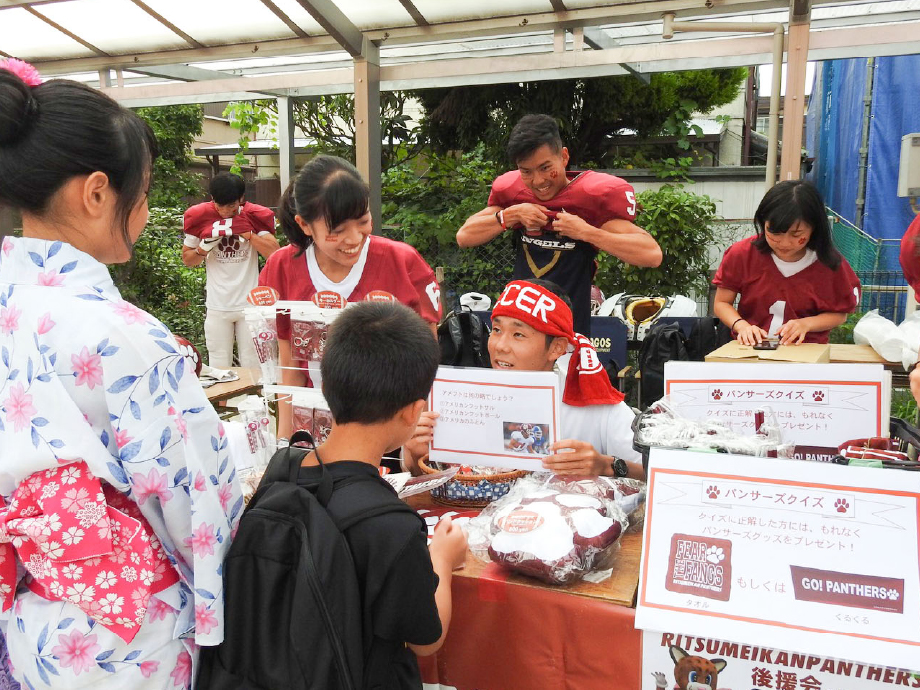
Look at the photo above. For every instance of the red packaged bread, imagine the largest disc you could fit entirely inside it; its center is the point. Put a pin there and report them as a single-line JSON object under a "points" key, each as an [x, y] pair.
{"points": [[555, 536]]}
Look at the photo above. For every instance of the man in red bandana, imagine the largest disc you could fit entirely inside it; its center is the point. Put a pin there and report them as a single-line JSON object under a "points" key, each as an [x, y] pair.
{"points": [[532, 331]]}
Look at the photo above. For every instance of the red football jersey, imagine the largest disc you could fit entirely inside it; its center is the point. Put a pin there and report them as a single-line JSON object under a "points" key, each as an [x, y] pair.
{"points": [[910, 255], [393, 267], [769, 299], [203, 221], [592, 196]]}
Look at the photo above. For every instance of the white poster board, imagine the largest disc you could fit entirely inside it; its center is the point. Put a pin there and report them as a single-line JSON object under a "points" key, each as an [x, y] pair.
{"points": [[817, 406], [743, 666], [492, 417], [774, 551]]}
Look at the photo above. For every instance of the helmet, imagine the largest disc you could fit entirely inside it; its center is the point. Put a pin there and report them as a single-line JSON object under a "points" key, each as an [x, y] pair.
{"points": [[525, 428], [639, 312], [190, 352], [537, 431], [597, 299]]}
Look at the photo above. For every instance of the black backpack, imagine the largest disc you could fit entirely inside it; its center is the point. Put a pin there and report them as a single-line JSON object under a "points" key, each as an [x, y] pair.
{"points": [[293, 615], [663, 343], [707, 334], [464, 338]]}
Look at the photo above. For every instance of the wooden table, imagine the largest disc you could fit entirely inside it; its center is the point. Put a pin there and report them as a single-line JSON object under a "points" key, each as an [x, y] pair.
{"points": [[509, 631], [864, 354], [247, 383]]}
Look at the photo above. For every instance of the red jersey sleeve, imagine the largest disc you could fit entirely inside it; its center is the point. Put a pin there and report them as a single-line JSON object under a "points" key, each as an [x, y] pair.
{"points": [[503, 188], [732, 269], [272, 275], [261, 218], [910, 254], [196, 220], [616, 196], [426, 285], [843, 292]]}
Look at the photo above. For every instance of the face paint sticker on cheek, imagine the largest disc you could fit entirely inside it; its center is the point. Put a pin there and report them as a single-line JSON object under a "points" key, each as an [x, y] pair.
{"points": [[802, 240], [553, 174]]}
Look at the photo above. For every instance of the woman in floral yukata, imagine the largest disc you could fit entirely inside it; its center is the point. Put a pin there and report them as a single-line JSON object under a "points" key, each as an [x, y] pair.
{"points": [[119, 495]]}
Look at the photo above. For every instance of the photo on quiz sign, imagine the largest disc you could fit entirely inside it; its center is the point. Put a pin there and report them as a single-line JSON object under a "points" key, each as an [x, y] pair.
{"points": [[495, 418], [522, 437]]}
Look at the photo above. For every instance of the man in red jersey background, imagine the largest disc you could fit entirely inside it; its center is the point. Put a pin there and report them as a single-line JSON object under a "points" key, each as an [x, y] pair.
{"points": [[224, 234], [560, 219]]}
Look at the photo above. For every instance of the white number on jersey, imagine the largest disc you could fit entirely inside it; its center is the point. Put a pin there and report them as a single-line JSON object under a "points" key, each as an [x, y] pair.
{"points": [[631, 198], [434, 294], [222, 227], [778, 311]]}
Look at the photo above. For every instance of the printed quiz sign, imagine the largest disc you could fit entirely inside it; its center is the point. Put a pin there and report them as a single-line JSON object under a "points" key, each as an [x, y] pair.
{"points": [[667, 656], [497, 418], [774, 551], [817, 406]]}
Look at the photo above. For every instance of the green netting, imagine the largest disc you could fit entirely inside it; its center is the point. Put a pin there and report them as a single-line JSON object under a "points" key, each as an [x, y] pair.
{"points": [[861, 250]]}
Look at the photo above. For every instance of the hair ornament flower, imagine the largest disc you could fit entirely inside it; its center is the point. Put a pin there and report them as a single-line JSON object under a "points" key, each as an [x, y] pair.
{"points": [[23, 70]]}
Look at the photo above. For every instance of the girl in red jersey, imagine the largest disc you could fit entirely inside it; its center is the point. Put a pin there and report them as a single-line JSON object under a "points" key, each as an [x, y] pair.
{"points": [[326, 216], [794, 284]]}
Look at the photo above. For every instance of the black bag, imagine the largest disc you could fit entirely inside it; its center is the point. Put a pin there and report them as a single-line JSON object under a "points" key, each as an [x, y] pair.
{"points": [[707, 334], [664, 342], [464, 339], [293, 617]]}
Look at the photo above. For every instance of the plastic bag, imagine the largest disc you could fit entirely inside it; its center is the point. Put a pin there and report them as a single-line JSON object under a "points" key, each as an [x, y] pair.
{"points": [[309, 328], [661, 426], [261, 323], [910, 333], [882, 335], [628, 494], [557, 536]]}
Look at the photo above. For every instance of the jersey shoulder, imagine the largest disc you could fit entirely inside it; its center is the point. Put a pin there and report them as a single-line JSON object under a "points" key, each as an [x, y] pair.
{"points": [[506, 187], [593, 182], [199, 214]]}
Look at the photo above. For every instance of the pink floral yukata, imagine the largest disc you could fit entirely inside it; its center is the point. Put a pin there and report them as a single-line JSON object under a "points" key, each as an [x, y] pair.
{"points": [[120, 496]]}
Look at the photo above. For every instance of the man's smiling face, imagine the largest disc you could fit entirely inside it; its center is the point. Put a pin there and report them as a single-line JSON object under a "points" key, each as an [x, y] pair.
{"points": [[543, 171]]}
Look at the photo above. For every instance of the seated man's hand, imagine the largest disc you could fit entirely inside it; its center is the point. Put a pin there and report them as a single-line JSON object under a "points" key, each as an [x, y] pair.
{"points": [[420, 442], [576, 458]]}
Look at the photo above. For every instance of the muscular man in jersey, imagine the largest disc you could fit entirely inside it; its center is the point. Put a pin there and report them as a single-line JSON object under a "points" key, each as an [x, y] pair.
{"points": [[521, 441], [222, 234], [560, 219]]}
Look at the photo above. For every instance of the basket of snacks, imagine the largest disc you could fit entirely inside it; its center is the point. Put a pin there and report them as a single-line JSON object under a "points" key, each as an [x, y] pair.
{"points": [[471, 487]]}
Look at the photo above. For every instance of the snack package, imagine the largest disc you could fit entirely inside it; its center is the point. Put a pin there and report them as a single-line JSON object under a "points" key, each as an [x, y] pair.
{"points": [[310, 410], [548, 532], [261, 323], [628, 494], [661, 426], [309, 326]]}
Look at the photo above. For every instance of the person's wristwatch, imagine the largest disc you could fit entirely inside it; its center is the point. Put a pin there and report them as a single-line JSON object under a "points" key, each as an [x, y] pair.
{"points": [[619, 468]]}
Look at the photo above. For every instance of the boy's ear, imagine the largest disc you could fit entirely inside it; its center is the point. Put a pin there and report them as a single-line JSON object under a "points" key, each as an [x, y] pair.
{"points": [[410, 413], [557, 348]]}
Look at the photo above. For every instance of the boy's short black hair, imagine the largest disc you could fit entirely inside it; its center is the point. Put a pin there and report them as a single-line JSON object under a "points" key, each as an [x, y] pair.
{"points": [[530, 133], [380, 357], [225, 188]]}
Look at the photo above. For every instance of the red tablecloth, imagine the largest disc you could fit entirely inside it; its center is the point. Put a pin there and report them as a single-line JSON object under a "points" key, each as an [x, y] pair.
{"points": [[511, 636]]}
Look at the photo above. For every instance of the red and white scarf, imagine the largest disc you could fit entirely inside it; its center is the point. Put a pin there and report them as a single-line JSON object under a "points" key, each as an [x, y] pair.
{"points": [[586, 382]]}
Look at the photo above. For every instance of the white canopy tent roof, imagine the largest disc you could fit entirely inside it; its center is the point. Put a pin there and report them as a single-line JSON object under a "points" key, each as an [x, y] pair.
{"points": [[158, 52]]}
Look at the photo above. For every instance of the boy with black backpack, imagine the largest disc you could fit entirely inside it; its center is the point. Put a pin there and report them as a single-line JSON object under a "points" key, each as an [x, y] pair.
{"points": [[330, 582]]}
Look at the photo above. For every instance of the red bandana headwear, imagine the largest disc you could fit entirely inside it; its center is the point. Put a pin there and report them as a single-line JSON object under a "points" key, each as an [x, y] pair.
{"points": [[586, 382]]}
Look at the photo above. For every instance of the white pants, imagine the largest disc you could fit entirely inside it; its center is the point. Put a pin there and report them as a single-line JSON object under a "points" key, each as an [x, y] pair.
{"points": [[220, 328]]}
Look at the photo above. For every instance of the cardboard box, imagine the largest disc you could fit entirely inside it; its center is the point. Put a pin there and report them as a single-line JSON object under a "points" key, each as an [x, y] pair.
{"points": [[809, 353]]}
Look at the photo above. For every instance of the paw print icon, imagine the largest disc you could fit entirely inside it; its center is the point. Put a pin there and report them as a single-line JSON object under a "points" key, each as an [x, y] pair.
{"points": [[713, 492], [841, 505], [715, 555], [717, 394], [818, 395]]}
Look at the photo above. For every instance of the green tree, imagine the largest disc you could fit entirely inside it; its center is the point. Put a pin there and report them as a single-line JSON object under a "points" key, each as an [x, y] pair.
{"points": [[175, 128], [588, 111], [683, 224], [329, 122]]}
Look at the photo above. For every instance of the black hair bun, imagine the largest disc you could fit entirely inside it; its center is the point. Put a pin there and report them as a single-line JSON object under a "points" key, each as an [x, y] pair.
{"points": [[17, 107]]}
